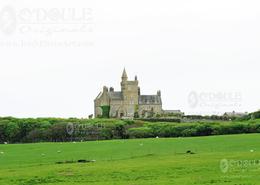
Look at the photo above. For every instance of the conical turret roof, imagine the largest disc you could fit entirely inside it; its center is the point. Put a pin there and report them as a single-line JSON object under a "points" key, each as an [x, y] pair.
{"points": [[124, 75]]}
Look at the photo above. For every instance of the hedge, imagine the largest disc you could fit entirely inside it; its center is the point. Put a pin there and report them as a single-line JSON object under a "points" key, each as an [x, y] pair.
{"points": [[13, 130]]}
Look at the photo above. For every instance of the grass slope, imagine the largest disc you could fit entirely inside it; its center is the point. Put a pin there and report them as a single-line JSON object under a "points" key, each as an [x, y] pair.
{"points": [[134, 162]]}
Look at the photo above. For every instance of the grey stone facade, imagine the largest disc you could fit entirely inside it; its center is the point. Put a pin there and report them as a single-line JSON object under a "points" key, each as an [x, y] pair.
{"points": [[128, 102]]}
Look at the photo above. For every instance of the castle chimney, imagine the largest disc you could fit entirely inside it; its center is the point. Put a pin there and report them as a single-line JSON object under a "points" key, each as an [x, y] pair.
{"points": [[111, 89], [105, 89], [135, 78], [158, 93]]}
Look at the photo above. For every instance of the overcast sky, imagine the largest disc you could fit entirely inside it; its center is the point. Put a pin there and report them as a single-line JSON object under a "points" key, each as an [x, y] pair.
{"points": [[57, 55]]}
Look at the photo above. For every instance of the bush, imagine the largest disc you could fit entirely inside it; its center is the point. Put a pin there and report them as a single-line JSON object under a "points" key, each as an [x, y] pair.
{"points": [[120, 131], [189, 132], [36, 135], [204, 130], [142, 132], [106, 133], [172, 120], [15, 130]]}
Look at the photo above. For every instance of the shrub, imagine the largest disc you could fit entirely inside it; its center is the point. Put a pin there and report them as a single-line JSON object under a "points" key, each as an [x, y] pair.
{"points": [[141, 132], [158, 119], [14, 130], [106, 133], [36, 135], [189, 132]]}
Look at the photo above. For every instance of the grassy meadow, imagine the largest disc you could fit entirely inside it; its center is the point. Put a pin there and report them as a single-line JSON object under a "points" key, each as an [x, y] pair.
{"points": [[135, 162]]}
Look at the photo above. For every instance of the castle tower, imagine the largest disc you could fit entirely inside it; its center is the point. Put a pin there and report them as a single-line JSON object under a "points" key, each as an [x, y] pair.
{"points": [[124, 81], [130, 94]]}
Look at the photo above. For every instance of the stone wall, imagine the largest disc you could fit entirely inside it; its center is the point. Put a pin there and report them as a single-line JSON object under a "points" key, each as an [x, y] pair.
{"points": [[147, 110]]}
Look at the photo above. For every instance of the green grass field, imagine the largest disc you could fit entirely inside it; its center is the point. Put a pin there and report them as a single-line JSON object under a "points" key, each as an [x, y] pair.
{"points": [[135, 162]]}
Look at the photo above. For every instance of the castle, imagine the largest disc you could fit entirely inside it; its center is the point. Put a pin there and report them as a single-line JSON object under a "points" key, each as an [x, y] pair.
{"points": [[128, 102]]}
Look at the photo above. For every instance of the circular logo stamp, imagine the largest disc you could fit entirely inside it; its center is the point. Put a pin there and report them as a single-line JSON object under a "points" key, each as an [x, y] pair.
{"points": [[193, 99], [7, 20], [224, 166], [70, 128]]}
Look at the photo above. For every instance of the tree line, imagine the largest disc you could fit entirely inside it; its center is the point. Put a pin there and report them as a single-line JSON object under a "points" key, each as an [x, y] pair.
{"points": [[17, 130]]}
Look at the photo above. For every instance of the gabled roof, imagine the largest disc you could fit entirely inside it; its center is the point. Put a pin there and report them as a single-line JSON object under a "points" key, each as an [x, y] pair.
{"points": [[149, 99], [99, 95], [115, 95]]}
